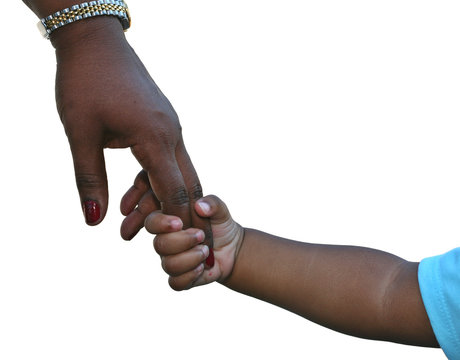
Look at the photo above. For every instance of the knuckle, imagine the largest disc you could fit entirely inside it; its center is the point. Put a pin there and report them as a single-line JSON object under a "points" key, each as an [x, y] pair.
{"points": [[142, 152], [147, 151], [167, 115], [165, 136], [139, 152], [165, 265], [141, 181], [149, 225], [179, 197], [175, 284], [196, 192], [89, 181], [147, 204], [212, 199], [170, 266], [217, 203], [166, 126], [158, 245]]}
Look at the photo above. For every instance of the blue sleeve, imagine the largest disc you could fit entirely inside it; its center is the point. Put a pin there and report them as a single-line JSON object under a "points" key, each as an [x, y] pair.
{"points": [[439, 281]]}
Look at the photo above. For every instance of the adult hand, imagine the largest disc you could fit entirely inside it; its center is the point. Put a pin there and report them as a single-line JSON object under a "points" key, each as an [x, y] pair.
{"points": [[107, 99]]}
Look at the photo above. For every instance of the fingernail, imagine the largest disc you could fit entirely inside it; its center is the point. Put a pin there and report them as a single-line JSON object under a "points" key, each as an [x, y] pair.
{"points": [[205, 250], [176, 224], [92, 211], [204, 206], [200, 235], [199, 269], [210, 258]]}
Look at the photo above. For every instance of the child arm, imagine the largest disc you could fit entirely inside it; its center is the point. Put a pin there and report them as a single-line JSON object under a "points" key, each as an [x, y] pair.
{"points": [[357, 291]]}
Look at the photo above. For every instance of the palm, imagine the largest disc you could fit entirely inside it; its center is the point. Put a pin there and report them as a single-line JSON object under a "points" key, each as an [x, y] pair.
{"points": [[227, 239]]}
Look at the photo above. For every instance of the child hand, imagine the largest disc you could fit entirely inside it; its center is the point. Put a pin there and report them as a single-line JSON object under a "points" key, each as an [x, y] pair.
{"points": [[182, 251]]}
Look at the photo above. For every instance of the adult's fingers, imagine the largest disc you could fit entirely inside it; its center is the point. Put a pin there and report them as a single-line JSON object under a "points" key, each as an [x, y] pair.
{"points": [[91, 178], [138, 202], [134, 221], [165, 179], [195, 192], [132, 197]]}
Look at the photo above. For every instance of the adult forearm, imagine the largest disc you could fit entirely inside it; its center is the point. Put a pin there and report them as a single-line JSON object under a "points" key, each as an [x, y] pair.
{"points": [[358, 291], [43, 8]]}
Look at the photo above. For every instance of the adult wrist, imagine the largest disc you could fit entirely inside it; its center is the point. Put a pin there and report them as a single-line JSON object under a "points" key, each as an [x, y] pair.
{"points": [[88, 34], [83, 11]]}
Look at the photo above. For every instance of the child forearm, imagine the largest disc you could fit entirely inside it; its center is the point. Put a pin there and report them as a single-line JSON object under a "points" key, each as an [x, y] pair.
{"points": [[358, 291]]}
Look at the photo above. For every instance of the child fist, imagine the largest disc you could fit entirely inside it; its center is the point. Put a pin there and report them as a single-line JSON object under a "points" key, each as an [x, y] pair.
{"points": [[183, 253]]}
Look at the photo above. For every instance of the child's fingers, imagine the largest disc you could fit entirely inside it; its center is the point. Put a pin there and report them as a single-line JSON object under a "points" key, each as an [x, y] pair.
{"points": [[158, 223], [177, 265], [177, 242], [187, 280], [134, 221], [212, 207]]}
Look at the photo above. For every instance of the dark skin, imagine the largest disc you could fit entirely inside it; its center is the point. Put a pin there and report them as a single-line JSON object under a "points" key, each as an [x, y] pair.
{"points": [[106, 99], [358, 291]]}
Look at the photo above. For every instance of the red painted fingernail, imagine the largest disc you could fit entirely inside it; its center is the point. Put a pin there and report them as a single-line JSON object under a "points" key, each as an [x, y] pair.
{"points": [[92, 211], [210, 258]]}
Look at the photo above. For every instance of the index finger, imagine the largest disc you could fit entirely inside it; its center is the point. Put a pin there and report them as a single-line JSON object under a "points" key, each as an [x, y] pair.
{"points": [[195, 193], [166, 180]]}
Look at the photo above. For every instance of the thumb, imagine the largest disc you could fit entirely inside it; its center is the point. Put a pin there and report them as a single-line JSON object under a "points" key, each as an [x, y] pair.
{"points": [[91, 179], [214, 208]]}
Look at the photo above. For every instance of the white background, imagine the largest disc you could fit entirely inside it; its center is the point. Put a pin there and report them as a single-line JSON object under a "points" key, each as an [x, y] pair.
{"points": [[322, 121]]}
